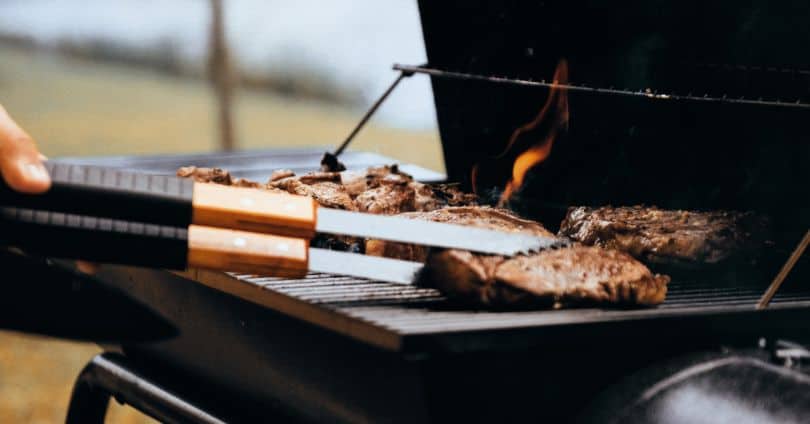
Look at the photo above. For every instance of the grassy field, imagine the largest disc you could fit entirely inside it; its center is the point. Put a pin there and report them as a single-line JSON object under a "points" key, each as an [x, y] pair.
{"points": [[73, 107]]}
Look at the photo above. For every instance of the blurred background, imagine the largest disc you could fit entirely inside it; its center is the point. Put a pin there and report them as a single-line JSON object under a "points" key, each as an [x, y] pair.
{"points": [[156, 77]]}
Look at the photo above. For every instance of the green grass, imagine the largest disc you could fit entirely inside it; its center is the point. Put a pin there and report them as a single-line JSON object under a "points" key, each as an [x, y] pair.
{"points": [[74, 107]]}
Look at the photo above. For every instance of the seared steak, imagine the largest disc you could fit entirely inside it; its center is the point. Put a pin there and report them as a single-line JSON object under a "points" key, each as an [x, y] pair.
{"points": [[380, 190], [665, 236], [386, 199], [326, 192], [571, 276], [478, 216], [214, 175]]}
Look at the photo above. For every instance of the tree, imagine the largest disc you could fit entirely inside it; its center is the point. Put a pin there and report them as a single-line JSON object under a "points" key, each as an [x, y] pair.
{"points": [[222, 76]]}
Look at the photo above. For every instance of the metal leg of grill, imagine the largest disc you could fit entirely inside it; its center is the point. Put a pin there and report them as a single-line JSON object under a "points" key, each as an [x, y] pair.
{"points": [[109, 375]]}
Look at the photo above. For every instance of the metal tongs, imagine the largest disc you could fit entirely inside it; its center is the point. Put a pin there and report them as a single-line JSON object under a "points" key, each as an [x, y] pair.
{"points": [[108, 215]]}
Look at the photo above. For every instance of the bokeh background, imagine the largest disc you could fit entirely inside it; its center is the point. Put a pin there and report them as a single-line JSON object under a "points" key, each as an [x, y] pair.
{"points": [[134, 77]]}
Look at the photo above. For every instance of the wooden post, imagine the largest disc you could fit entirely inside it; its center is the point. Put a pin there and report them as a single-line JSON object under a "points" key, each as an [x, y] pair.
{"points": [[222, 76]]}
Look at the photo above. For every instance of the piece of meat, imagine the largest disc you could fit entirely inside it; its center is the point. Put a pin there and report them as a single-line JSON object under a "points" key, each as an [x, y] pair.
{"points": [[386, 199], [281, 173], [206, 175], [451, 195], [389, 173], [327, 193], [665, 236], [477, 216], [354, 182], [576, 275], [382, 190], [215, 176]]}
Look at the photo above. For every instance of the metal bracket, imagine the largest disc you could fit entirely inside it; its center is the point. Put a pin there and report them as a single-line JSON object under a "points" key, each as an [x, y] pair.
{"points": [[402, 74], [790, 355], [784, 272]]}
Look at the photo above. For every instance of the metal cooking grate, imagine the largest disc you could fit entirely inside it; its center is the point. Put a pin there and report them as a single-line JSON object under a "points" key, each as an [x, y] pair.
{"points": [[408, 310]]}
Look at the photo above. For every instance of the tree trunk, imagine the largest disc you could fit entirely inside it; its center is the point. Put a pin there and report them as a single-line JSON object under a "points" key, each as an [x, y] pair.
{"points": [[222, 76]]}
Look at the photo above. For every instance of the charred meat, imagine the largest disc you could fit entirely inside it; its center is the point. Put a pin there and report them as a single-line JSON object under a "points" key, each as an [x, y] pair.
{"points": [[214, 175], [380, 190], [578, 275], [325, 190], [477, 216], [665, 236], [569, 276]]}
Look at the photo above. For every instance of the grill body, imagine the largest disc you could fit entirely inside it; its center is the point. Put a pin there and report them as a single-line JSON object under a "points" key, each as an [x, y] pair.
{"points": [[234, 352], [330, 348]]}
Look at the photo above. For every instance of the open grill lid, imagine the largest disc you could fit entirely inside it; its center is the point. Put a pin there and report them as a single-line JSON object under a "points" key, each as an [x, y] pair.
{"points": [[620, 149]]}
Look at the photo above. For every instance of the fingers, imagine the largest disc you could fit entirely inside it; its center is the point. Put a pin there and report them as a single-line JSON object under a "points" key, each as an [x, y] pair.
{"points": [[20, 162], [87, 267]]}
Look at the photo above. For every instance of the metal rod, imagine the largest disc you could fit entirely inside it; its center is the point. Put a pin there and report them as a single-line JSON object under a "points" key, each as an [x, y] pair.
{"points": [[583, 88], [109, 375], [371, 111], [783, 273]]}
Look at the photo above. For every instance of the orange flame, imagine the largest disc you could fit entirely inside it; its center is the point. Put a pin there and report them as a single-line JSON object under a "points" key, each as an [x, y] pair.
{"points": [[555, 112]]}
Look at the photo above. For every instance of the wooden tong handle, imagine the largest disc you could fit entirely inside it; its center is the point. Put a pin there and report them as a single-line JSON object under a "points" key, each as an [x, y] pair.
{"points": [[250, 209], [241, 251], [112, 241]]}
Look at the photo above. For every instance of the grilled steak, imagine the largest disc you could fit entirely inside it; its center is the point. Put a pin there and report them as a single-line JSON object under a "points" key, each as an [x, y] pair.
{"points": [[381, 190], [478, 216], [665, 236], [214, 175], [325, 191], [571, 276]]}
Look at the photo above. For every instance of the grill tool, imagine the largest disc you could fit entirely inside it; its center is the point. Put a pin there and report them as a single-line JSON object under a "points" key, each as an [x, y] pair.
{"points": [[164, 221]]}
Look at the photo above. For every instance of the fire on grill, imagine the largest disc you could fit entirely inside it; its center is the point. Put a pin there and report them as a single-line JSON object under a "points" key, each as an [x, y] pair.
{"points": [[605, 265], [565, 276]]}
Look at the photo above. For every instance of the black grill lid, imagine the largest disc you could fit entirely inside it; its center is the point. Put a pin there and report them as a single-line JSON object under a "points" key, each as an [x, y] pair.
{"points": [[633, 150]]}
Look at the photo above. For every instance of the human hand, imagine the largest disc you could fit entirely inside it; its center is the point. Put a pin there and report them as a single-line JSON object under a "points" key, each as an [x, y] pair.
{"points": [[20, 161], [21, 165]]}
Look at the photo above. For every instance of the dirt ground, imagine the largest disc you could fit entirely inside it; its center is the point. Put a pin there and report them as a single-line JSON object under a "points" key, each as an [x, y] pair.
{"points": [[74, 108]]}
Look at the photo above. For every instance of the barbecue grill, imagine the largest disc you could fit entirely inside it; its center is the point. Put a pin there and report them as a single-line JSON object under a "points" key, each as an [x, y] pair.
{"points": [[709, 118]]}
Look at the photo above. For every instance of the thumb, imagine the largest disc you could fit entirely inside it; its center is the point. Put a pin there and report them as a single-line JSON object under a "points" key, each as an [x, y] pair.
{"points": [[20, 163]]}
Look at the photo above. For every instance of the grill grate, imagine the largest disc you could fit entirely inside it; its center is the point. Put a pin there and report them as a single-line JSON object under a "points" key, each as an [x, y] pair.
{"points": [[408, 310]]}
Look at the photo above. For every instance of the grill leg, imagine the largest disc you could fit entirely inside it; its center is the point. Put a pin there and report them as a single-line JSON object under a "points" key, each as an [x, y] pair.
{"points": [[108, 375], [88, 404]]}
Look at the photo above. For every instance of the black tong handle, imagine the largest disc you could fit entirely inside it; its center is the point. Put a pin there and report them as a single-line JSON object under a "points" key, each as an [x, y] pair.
{"points": [[70, 236], [110, 193], [101, 214]]}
